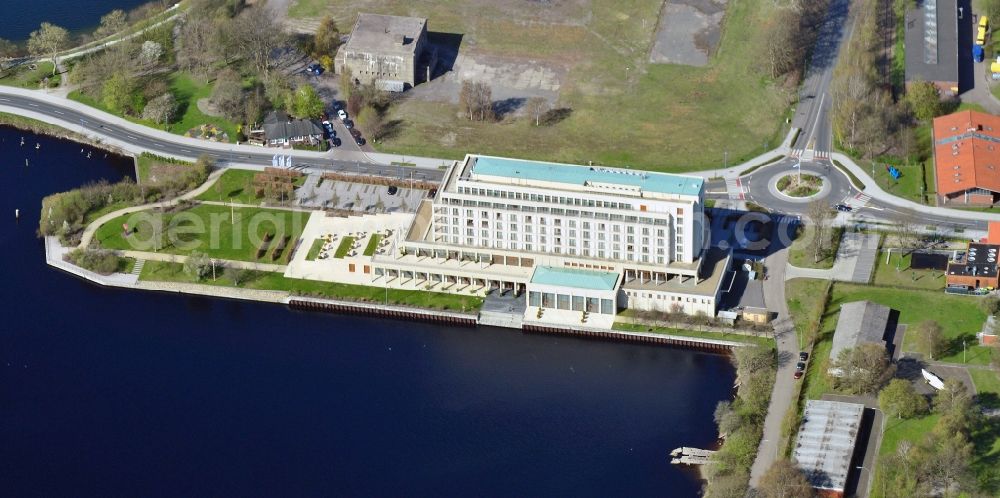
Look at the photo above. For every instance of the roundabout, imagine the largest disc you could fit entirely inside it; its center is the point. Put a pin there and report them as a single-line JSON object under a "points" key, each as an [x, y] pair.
{"points": [[830, 185]]}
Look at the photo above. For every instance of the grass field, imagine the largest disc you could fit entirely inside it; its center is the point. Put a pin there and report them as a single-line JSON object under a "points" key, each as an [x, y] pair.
{"points": [[806, 297], [801, 252], [232, 185], [174, 272], [314, 249], [28, 78], [149, 168], [187, 90], [344, 247], [662, 117], [204, 228], [886, 274]]}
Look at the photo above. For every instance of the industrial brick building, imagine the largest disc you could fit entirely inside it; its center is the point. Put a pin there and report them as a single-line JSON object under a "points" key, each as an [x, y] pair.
{"points": [[386, 50]]}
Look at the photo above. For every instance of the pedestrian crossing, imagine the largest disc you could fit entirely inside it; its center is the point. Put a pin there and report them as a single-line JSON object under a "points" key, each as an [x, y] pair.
{"points": [[137, 267], [858, 200], [737, 189], [810, 155]]}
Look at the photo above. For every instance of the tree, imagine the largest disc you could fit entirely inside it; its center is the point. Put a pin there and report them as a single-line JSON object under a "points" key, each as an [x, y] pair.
{"points": [[8, 50], [820, 215], [861, 369], [355, 103], [48, 39], [227, 95], [782, 45], [924, 100], [197, 265], [372, 122], [326, 62], [116, 94], [327, 38], [238, 276], [476, 100], [346, 83], [161, 110], [255, 35], [537, 106], [150, 52], [726, 418], [111, 23], [196, 47], [276, 90], [306, 102], [784, 480], [955, 397], [901, 400], [930, 339], [990, 305]]}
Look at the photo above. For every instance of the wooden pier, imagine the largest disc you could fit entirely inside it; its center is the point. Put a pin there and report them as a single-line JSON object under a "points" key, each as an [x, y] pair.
{"points": [[690, 456]]}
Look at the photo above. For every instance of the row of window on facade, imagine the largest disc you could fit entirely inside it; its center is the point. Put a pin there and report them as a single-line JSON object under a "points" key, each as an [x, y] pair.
{"points": [[554, 301], [555, 211], [630, 253], [661, 297], [527, 196], [485, 219]]}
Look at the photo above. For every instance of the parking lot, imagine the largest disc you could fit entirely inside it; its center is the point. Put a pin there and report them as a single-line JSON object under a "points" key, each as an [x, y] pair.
{"points": [[361, 197]]}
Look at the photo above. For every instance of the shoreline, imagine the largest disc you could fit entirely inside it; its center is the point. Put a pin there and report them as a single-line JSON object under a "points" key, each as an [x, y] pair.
{"points": [[54, 252], [39, 127]]}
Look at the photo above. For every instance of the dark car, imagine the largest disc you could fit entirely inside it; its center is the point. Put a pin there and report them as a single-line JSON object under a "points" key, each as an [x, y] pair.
{"points": [[844, 208], [335, 142], [798, 374], [357, 137], [803, 356], [800, 366], [328, 126], [315, 69], [393, 189], [338, 105], [349, 124]]}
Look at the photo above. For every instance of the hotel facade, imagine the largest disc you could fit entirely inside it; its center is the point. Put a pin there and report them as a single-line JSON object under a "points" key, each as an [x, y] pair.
{"points": [[584, 239]]}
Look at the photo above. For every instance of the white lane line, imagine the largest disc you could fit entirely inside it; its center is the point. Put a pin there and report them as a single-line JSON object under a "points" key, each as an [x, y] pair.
{"points": [[32, 104], [58, 112]]}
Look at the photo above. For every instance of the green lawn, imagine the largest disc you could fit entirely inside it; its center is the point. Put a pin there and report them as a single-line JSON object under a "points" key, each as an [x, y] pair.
{"points": [[959, 316], [314, 250], [372, 245], [628, 327], [187, 90], [145, 162], [232, 185], [210, 227], [801, 252], [911, 184], [806, 298], [174, 272], [667, 117], [28, 78], [887, 273], [345, 247]]}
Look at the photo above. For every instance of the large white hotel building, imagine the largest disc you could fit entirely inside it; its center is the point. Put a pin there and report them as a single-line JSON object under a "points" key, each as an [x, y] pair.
{"points": [[569, 238]]}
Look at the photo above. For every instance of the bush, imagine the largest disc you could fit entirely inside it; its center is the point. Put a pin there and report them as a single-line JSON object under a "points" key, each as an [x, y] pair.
{"points": [[96, 260]]}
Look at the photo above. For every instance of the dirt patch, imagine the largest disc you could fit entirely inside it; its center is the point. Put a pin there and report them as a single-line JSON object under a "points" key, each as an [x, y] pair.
{"points": [[689, 32], [160, 173], [207, 108]]}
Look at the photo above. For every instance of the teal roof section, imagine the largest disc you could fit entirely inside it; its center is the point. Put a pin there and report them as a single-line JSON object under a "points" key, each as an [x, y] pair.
{"points": [[664, 183], [572, 277]]}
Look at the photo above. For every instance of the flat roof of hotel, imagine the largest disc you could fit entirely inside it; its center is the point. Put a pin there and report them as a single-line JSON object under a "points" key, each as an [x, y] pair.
{"points": [[571, 174], [574, 278]]}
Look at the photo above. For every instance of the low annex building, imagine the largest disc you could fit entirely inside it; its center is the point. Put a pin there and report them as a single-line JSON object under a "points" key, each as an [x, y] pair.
{"points": [[859, 322], [825, 444], [571, 240], [386, 50], [967, 158], [931, 41]]}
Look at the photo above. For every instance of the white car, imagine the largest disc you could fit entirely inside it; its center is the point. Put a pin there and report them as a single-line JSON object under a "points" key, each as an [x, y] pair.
{"points": [[342, 115]]}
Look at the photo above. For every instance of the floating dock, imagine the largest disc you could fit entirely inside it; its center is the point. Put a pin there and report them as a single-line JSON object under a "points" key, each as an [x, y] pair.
{"points": [[690, 456]]}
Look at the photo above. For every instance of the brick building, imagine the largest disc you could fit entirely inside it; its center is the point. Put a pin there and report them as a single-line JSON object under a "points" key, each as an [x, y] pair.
{"points": [[967, 158]]}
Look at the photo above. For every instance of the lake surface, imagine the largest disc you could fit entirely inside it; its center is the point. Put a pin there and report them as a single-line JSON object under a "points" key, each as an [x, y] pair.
{"points": [[21, 17]]}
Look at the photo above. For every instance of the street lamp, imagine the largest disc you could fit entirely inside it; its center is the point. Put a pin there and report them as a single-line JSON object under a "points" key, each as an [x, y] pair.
{"points": [[626, 73]]}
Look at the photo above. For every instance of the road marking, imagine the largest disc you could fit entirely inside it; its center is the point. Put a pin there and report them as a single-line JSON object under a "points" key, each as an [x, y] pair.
{"points": [[58, 112], [32, 104]]}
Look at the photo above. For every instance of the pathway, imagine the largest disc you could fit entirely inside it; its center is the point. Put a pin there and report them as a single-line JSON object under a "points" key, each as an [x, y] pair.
{"points": [[854, 262], [88, 233], [783, 390], [228, 263]]}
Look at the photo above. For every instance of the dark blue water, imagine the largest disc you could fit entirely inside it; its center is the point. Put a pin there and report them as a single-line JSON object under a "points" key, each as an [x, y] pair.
{"points": [[21, 17], [118, 393]]}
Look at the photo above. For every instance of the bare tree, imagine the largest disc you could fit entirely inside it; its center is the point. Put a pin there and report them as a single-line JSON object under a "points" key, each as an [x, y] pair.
{"points": [[536, 106], [256, 35], [820, 216], [111, 23], [48, 39], [476, 100], [784, 480], [161, 110], [908, 228]]}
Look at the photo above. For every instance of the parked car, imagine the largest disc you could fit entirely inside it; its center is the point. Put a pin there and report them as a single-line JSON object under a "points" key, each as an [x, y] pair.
{"points": [[392, 188], [803, 356], [349, 124], [337, 105], [314, 69], [342, 114], [335, 142], [328, 126], [800, 366], [357, 137], [844, 208], [798, 374]]}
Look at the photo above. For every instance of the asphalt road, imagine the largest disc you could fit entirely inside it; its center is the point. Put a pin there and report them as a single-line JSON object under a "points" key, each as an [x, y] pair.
{"points": [[812, 113], [161, 146]]}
